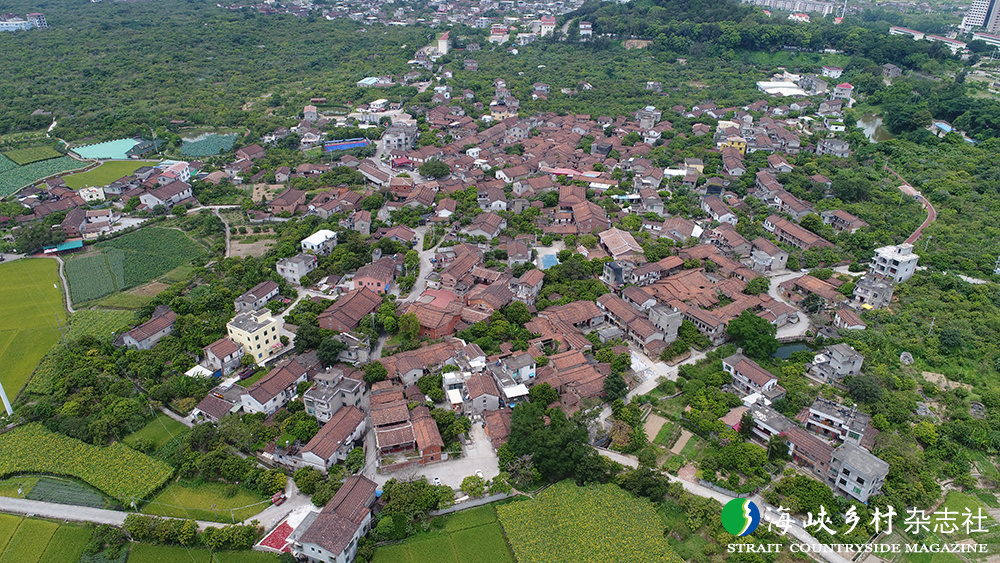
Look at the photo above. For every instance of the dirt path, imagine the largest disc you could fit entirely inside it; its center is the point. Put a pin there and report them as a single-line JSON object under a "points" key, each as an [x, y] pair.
{"points": [[681, 442], [226, 225]]}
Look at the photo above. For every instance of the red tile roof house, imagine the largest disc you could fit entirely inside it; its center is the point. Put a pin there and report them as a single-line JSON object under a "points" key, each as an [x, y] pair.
{"points": [[377, 276], [275, 389], [253, 152], [335, 440], [287, 200], [146, 335], [224, 356], [345, 313], [435, 322], [333, 533], [748, 376], [257, 297], [425, 430]]}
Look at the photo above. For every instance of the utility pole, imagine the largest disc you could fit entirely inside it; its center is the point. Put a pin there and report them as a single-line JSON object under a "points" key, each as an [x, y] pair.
{"points": [[932, 325], [61, 331]]}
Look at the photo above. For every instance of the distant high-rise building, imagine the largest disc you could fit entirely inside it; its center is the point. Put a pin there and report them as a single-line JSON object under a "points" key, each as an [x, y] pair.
{"points": [[37, 20], [983, 13]]}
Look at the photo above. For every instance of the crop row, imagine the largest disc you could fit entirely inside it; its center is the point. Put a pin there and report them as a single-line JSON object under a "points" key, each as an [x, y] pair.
{"points": [[6, 164], [89, 277], [98, 322], [17, 178], [212, 144], [32, 154], [117, 470], [595, 523]]}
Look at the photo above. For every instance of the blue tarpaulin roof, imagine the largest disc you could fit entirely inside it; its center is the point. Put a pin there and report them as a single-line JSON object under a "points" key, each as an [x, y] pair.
{"points": [[68, 245], [331, 146]]}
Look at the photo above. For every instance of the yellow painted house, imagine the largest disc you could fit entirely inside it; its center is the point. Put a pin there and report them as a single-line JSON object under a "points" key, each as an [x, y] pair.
{"points": [[257, 332]]}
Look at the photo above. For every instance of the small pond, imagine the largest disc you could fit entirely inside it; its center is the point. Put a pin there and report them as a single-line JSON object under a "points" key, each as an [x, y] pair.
{"points": [[786, 350], [872, 127]]}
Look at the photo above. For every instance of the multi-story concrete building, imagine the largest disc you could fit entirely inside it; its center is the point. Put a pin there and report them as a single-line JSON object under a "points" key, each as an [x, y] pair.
{"points": [[292, 269], [856, 472], [896, 261], [257, 333], [331, 391], [836, 362]]}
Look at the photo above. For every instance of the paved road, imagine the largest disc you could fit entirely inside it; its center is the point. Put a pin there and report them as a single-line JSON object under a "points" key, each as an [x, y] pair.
{"points": [[909, 190], [65, 284], [72, 513]]}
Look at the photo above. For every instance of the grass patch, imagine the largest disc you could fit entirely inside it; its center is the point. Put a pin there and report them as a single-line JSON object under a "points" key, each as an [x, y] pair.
{"points": [[32, 154], [469, 536], [103, 174], [257, 376], [393, 554], [158, 431], [190, 500], [29, 541], [567, 523], [127, 301], [988, 498], [31, 300], [178, 274], [66, 544], [9, 487], [479, 516]]}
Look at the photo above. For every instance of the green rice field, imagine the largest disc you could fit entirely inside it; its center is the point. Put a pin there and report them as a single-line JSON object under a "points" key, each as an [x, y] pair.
{"points": [[469, 536], [31, 301], [32, 154], [158, 432], [183, 500]]}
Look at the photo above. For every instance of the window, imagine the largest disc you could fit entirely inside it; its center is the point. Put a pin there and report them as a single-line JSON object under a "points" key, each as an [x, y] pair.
{"points": [[860, 481], [857, 490], [843, 481], [847, 472]]}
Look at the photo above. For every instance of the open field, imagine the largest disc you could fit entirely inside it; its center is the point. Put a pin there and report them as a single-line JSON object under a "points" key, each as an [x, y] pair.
{"points": [[29, 541], [30, 302], [158, 431], [33, 154], [181, 500], [567, 523], [128, 261], [22, 176], [105, 173], [128, 301], [117, 470], [469, 536], [9, 487]]}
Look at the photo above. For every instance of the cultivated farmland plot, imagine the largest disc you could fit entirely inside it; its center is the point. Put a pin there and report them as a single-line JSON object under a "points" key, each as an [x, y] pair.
{"points": [[22, 176], [129, 261], [6, 164], [566, 523], [117, 470], [209, 145], [32, 154]]}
